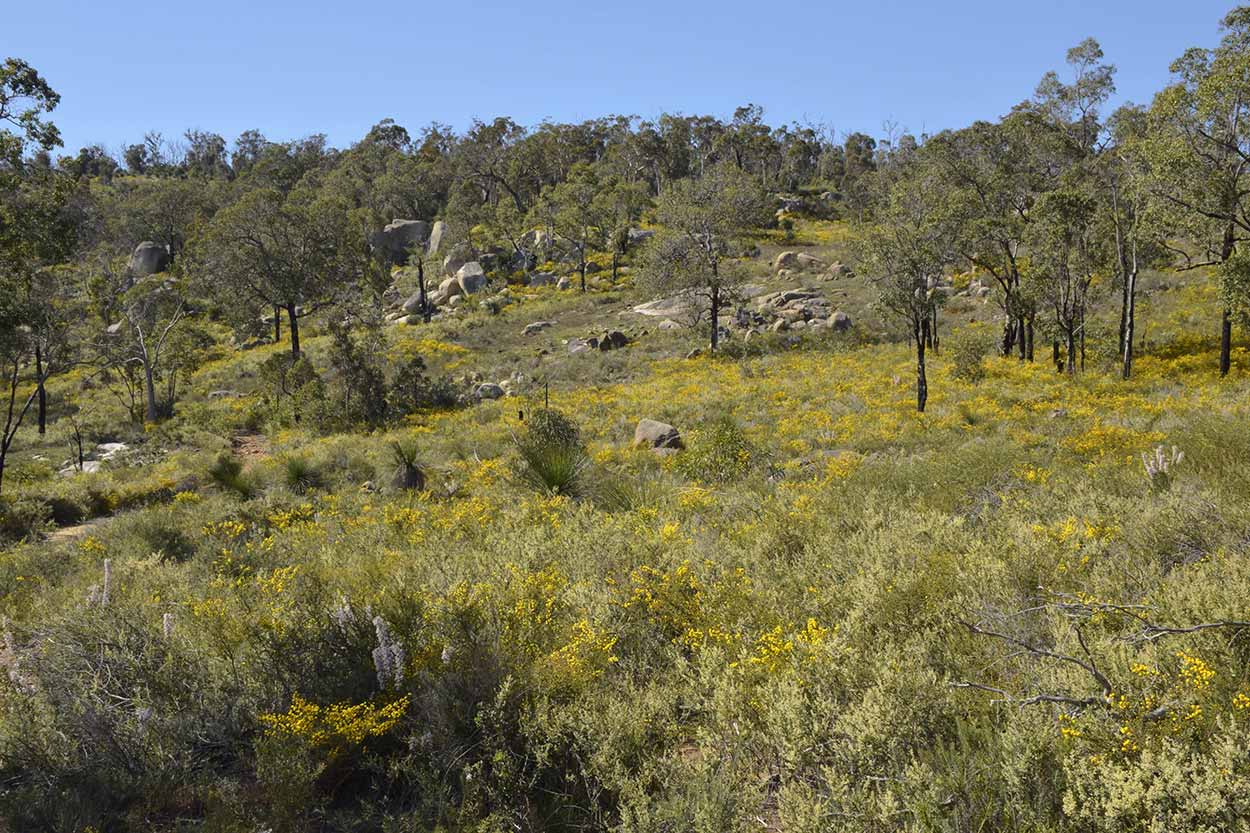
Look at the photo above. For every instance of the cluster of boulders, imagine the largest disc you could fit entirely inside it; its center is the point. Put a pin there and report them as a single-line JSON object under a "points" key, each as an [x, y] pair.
{"points": [[975, 289], [787, 309], [483, 389], [791, 264], [611, 340], [794, 309]]}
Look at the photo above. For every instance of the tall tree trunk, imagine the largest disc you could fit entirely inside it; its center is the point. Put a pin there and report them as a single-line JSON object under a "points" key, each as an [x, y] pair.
{"points": [[1009, 336], [922, 380], [43, 391], [1226, 321], [1021, 346], [1226, 342], [1127, 316], [582, 271], [715, 317], [277, 324], [149, 385], [1071, 358], [294, 320], [1028, 335], [1082, 320]]}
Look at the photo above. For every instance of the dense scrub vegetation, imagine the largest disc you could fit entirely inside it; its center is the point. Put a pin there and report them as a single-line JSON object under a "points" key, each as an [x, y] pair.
{"points": [[280, 553]]}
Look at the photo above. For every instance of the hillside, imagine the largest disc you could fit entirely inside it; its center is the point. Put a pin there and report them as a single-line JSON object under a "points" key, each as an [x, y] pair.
{"points": [[633, 475], [772, 627]]}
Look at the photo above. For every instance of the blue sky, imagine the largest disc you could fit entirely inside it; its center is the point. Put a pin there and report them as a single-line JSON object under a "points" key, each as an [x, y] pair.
{"points": [[292, 68]]}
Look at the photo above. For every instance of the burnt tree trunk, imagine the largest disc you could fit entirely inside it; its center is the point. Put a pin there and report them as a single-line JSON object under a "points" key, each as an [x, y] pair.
{"points": [[294, 319], [425, 301]]}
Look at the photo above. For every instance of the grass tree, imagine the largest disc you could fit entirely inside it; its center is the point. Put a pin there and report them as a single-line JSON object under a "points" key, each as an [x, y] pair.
{"points": [[904, 252], [703, 223]]}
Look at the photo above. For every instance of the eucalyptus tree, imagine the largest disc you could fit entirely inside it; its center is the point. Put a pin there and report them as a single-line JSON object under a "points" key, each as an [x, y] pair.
{"points": [[37, 231], [1132, 212], [704, 222], [904, 252], [1198, 147], [574, 213], [293, 253], [989, 190], [152, 312], [1067, 251]]}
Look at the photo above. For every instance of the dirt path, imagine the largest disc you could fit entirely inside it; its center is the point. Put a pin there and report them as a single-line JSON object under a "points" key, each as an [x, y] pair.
{"points": [[65, 534], [250, 447]]}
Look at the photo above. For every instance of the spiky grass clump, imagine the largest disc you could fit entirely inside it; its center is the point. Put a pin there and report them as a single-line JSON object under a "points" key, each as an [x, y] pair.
{"points": [[408, 474], [227, 473], [302, 475], [552, 457]]}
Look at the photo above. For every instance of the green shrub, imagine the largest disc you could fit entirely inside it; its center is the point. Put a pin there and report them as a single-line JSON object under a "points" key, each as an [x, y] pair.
{"points": [[968, 348], [162, 535], [718, 452], [23, 517], [412, 390]]}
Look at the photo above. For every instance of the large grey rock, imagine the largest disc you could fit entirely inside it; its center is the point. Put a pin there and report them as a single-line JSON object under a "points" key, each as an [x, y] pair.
{"points": [[471, 277], [107, 451], [677, 305], [838, 270], [437, 232], [786, 260], [536, 327], [840, 321], [457, 257], [796, 262], [489, 390], [651, 433], [413, 304], [394, 243], [450, 288], [148, 258]]}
